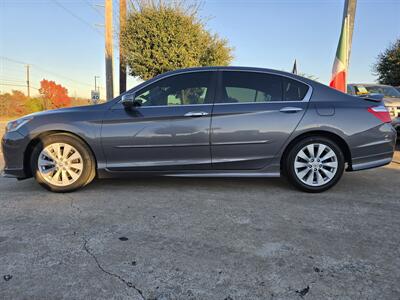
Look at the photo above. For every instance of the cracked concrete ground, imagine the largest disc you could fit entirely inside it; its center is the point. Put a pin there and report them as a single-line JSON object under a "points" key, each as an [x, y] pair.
{"points": [[166, 238]]}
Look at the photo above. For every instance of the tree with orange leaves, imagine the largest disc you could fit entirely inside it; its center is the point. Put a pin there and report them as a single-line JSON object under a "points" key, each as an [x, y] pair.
{"points": [[54, 95]]}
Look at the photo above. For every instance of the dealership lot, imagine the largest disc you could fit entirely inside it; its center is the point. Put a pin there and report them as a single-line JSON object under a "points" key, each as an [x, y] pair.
{"points": [[165, 238]]}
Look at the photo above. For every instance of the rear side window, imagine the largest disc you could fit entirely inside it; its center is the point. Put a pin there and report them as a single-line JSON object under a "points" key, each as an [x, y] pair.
{"points": [[294, 90], [245, 87]]}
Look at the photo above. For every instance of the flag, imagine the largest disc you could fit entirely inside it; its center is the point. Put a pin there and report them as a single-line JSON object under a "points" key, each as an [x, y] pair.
{"points": [[294, 71], [339, 71], [341, 63]]}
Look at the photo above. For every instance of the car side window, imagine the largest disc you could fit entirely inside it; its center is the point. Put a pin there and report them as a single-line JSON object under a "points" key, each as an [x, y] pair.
{"points": [[245, 87], [294, 90], [182, 89]]}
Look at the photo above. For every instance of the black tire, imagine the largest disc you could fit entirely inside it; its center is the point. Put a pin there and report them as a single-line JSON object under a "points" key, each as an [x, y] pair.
{"points": [[89, 166], [289, 164]]}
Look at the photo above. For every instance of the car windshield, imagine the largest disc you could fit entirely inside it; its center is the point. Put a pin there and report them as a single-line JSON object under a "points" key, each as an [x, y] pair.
{"points": [[387, 91]]}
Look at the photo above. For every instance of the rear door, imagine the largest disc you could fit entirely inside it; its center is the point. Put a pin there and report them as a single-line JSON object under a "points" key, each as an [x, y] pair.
{"points": [[253, 115], [170, 131]]}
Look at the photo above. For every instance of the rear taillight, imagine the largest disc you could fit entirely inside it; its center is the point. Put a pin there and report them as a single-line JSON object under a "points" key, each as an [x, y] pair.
{"points": [[381, 113]]}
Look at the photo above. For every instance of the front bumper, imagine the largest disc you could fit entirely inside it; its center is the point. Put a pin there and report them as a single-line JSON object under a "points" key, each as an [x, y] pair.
{"points": [[13, 146]]}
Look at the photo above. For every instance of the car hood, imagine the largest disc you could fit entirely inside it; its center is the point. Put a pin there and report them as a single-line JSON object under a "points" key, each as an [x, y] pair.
{"points": [[392, 101], [86, 109]]}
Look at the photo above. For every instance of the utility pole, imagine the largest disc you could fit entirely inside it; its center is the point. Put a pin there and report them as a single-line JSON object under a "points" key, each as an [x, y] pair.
{"points": [[109, 49], [122, 63], [350, 12], [95, 82], [27, 81]]}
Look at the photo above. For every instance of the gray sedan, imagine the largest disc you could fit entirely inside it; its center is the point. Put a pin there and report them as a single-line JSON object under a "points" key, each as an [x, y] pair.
{"points": [[206, 122]]}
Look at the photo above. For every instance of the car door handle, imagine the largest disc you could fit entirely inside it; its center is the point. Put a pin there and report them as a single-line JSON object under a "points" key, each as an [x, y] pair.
{"points": [[196, 114], [290, 109]]}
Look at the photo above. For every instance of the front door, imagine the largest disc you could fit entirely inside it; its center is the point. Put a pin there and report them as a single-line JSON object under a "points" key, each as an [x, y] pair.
{"points": [[169, 131], [253, 116]]}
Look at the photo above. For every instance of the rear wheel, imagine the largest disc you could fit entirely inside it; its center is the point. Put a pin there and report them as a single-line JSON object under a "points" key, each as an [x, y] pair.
{"points": [[62, 163], [314, 164]]}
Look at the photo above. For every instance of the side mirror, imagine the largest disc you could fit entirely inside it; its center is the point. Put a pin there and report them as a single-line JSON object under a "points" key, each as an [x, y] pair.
{"points": [[129, 102]]}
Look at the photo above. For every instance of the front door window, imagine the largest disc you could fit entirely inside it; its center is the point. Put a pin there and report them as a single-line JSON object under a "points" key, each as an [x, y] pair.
{"points": [[184, 89]]}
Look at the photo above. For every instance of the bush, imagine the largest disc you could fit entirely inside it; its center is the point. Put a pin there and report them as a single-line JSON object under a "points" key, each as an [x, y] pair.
{"points": [[34, 105]]}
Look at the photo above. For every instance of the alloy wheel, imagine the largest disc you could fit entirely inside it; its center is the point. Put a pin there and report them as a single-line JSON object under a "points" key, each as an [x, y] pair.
{"points": [[316, 164], [60, 164]]}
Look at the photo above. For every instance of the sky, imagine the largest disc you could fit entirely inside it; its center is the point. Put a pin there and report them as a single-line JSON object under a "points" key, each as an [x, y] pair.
{"points": [[63, 40]]}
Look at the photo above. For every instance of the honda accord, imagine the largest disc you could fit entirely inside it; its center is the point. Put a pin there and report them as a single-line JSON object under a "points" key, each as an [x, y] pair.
{"points": [[205, 122]]}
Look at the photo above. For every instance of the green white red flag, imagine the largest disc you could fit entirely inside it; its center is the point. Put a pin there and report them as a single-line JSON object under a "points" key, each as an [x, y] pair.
{"points": [[341, 63], [339, 71]]}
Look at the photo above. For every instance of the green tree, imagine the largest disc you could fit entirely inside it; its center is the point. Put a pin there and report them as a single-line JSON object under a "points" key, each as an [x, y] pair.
{"points": [[387, 67], [160, 37]]}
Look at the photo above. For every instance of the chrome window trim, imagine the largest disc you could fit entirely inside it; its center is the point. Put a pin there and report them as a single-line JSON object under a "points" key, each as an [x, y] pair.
{"points": [[306, 98]]}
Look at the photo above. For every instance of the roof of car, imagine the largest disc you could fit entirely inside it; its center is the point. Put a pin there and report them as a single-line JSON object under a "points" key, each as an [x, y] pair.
{"points": [[238, 68]]}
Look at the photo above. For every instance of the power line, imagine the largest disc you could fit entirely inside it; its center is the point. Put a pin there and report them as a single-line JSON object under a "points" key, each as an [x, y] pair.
{"points": [[20, 85], [11, 80], [44, 70], [78, 17], [94, 8]]}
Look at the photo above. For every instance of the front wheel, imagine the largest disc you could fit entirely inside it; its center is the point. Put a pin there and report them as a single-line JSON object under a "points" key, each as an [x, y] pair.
{"points": [[314, 164], [62, 163]]}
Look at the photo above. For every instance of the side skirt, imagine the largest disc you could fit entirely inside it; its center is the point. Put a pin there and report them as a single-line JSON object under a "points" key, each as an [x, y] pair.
{"points": [[104, 173]]}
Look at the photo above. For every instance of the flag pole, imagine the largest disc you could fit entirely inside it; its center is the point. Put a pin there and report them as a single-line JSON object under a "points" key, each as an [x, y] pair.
{"points": [[294, 70]]}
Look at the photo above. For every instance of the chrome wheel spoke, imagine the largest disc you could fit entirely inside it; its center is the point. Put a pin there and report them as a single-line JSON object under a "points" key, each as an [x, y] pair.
{"points": [[44, 162], [57, 175], [74, 156], [328, 155], [321, 149], [310, 178], [300, 164], [328, 173], [57, 150], [320, 179], [302, 155], [303, 173], [64, 178], [66, 151], [77, 166], [73, 175], [332, 164], [310, 149], [48, 154]]}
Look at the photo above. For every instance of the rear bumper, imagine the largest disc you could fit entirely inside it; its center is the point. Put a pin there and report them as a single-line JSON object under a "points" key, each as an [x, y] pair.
{"points": [[13, 145], [373, 148], [375, 163]]}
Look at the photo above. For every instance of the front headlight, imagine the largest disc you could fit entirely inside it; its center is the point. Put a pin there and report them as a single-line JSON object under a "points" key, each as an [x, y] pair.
{"points": [[16, 124]]}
